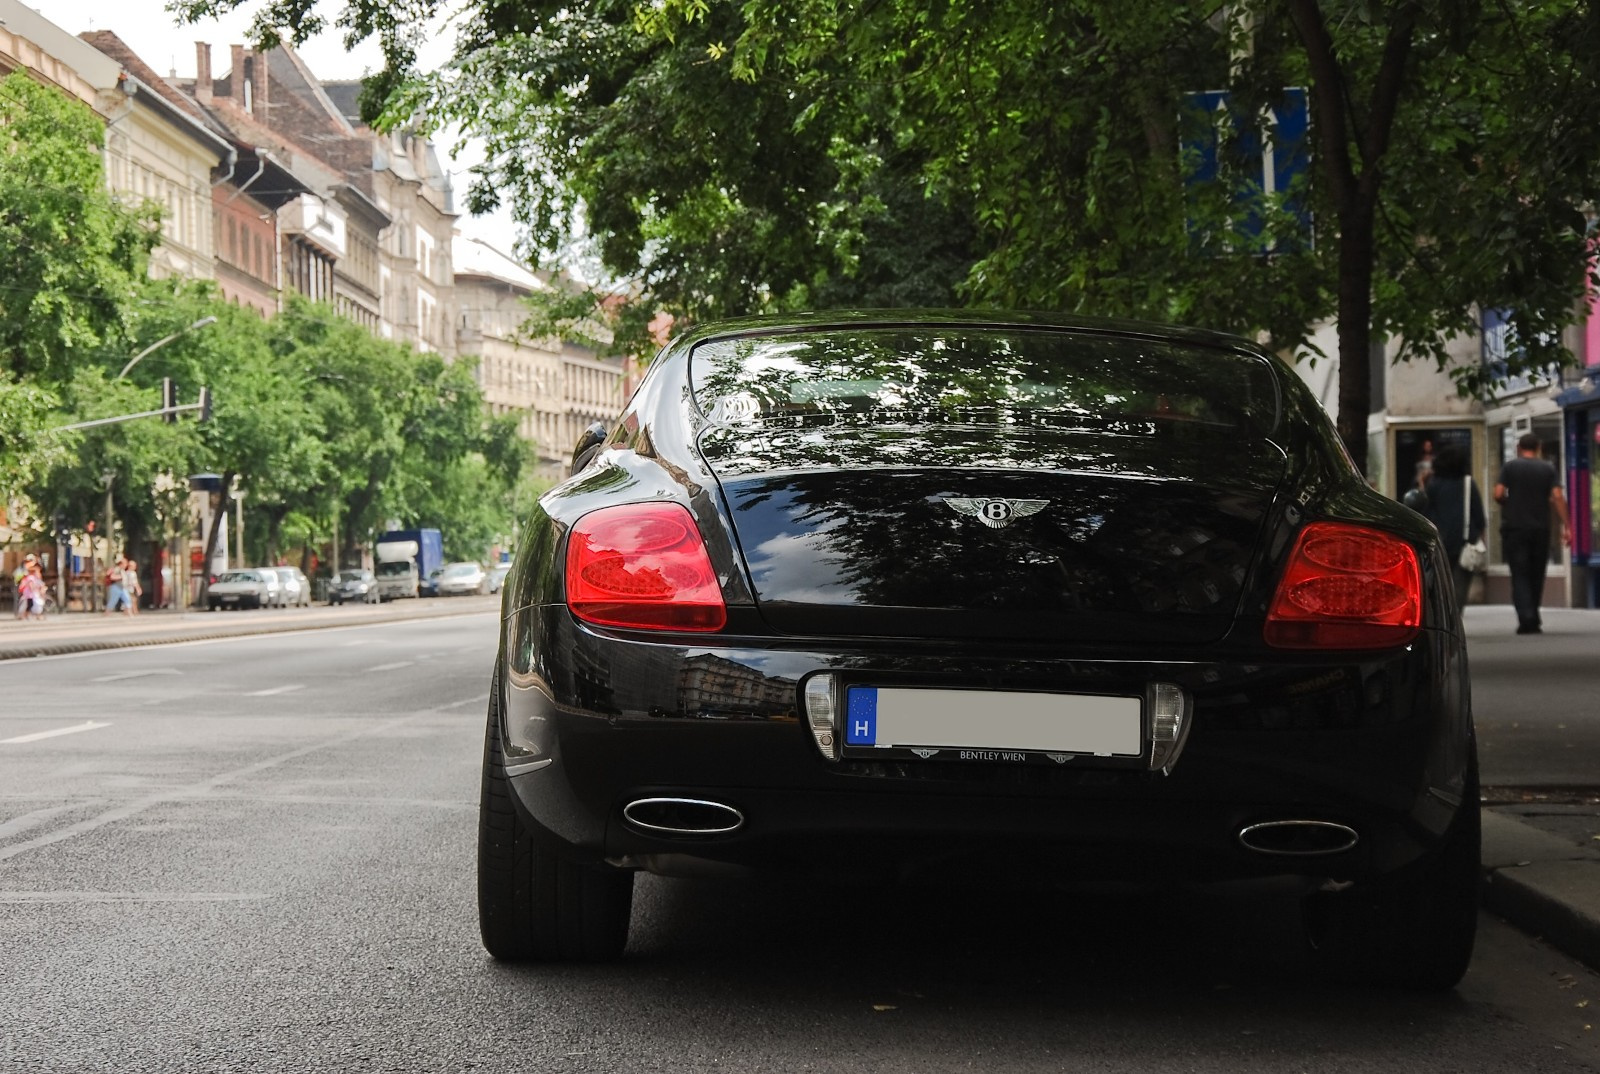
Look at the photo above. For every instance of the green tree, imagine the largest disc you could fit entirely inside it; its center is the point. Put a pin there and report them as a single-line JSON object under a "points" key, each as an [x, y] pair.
{"points": [[712, 195], [393, 433], [71, 258], [1454, 158]]}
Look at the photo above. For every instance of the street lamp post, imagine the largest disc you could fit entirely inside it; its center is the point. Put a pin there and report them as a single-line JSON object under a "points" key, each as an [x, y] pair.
{"points": [[176, 571], [238, 524], [201, 323]]}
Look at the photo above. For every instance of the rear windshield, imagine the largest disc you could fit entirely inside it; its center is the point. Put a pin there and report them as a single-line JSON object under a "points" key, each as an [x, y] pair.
{"points": [[239, 576], [984, 376]]}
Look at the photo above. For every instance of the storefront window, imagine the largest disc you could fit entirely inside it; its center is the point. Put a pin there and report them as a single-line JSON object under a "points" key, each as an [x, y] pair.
{"points": [[1594, 487], [1414, 450]]}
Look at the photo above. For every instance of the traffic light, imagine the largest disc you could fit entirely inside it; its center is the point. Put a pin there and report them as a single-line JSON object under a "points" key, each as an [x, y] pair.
{"points": [[205, 404], [169, 400], [62, 530]]}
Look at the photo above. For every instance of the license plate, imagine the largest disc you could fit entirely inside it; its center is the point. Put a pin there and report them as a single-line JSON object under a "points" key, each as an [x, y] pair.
{"points": [[230, 598], [1000, 721]]}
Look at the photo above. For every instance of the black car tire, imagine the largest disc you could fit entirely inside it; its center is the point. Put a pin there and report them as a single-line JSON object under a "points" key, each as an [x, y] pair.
{"points": [[1415, 931], [534, 902]]}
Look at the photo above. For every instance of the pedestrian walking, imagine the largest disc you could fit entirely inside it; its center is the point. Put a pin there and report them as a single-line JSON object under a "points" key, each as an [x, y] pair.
{"points": [[30, 594], [117, 598], [1455, 507], [1529, 494], [19, 606], [130, 584]]}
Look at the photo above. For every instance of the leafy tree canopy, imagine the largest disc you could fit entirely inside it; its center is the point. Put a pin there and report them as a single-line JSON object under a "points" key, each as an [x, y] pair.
{"points": [[71, 259], [735, 155]]}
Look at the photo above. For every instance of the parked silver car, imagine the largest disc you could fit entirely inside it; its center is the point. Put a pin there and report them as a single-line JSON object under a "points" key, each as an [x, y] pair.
{"points": [[354, 585], [461, 579], [247, 588], [294, 587]]}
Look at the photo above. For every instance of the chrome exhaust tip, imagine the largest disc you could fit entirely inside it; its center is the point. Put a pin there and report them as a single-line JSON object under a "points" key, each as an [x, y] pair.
{"points": [[1298, 838], [682, 816]]}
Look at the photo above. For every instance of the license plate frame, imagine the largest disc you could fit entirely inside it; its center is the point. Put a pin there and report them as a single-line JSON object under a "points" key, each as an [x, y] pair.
{"points": [[994, 725]]}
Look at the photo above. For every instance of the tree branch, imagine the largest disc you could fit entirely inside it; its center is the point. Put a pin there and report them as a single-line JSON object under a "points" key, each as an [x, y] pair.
{"points": [[1328, 99]]}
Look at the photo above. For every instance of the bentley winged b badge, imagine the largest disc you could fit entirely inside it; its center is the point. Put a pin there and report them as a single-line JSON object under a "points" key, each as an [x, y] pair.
{"points": [[994, 512]]}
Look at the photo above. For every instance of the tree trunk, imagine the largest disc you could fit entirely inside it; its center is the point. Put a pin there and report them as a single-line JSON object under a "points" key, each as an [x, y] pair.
{"points": [[1352, 143], [1355, 328], [223, 506]]}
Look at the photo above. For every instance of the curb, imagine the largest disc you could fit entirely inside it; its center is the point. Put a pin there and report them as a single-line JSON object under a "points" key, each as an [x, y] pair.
{"points": [[89, 645], [1542, 884]]}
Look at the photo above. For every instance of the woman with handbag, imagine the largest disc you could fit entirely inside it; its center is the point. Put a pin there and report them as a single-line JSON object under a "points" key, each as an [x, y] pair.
{"points": [[1456, 510]]}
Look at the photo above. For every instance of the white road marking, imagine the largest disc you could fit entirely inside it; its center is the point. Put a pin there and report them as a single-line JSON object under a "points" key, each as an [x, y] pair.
{"points": [[277, 690], [89, 725], [358, 641], [480, 699], [137, 674], [39, 816], [393, 667], [197, 790]]}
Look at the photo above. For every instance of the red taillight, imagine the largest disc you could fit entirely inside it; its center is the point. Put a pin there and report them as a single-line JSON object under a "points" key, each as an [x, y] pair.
{"points": [[642, 565], [1346, 587]]}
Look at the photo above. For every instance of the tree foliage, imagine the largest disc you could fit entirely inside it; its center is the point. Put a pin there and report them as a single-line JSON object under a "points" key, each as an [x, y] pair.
{"points": [[738, 155], [316, 421], [71, 257]]}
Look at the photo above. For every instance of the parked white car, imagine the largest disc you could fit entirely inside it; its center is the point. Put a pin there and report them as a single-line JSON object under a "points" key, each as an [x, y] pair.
{"points": [[461, 579], [242, 589], [274, 586], [294, 587]]}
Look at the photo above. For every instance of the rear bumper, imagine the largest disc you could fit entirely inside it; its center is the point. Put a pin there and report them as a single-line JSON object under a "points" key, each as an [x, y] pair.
{"points": [[1378, 744]]}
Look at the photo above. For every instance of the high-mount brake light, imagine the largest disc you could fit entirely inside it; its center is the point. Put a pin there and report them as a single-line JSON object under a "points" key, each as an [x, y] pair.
{"points": [[644, 566], [1347, 587]]}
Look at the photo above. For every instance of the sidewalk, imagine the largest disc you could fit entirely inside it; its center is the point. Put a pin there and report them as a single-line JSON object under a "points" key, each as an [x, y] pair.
{"points": [[77, 632], [1541, 858]]}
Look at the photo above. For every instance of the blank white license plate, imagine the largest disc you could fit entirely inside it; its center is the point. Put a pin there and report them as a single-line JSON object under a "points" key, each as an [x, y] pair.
{"points": [[1105, 726]]}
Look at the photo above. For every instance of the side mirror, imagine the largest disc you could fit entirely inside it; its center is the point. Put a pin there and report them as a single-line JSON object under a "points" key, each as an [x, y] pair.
{"points": [[589, 445]]}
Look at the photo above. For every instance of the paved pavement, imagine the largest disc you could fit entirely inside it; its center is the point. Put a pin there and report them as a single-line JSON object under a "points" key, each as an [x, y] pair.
{"points": [[76, 632], [1541, 854]]}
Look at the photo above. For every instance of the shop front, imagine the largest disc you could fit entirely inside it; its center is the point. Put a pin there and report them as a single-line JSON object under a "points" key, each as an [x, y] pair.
{"points": [[1581, 409]]}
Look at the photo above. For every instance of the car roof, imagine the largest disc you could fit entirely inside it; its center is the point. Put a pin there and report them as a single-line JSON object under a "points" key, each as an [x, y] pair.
{"points": [[845, 320]]}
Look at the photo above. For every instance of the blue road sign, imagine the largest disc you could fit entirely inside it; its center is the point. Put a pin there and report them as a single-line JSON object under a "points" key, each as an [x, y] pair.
{"points": [[1260, 162]]}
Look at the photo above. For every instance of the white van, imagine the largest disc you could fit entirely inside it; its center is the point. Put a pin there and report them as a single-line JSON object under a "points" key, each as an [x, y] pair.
{"points": [[397, 569]]}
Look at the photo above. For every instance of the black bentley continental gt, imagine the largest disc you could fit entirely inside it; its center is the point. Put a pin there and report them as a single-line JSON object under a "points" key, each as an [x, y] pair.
{"points": [[890, 595]]}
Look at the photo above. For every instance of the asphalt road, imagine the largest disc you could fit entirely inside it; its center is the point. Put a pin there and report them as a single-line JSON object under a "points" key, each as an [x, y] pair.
{"points": [[257, 854]]}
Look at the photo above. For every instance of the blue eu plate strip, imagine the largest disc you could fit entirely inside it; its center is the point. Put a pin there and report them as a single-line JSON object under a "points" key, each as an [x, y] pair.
{"points": [[861, 716]]}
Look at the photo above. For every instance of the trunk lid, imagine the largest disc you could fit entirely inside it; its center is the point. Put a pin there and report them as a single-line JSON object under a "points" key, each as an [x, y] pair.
{"points": [[951, 531]]}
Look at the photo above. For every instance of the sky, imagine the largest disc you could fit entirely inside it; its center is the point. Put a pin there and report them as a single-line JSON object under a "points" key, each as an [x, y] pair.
{"points": [[167, 46]]}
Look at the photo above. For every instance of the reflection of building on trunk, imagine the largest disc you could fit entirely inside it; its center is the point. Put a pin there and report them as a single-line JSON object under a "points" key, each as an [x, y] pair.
{"points": [[709, 686], [716, 687]]}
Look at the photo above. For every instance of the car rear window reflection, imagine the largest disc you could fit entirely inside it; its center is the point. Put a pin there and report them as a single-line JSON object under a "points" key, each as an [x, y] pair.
{"points": [[1059, 379]]}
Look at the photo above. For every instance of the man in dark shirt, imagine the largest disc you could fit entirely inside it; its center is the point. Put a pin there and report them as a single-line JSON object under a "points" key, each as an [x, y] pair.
{"points": [[1527, 492]]}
